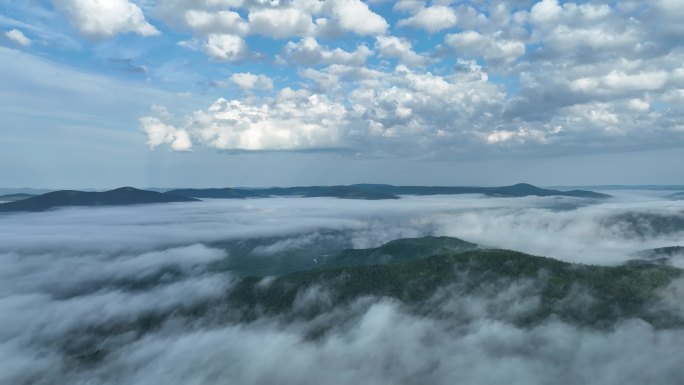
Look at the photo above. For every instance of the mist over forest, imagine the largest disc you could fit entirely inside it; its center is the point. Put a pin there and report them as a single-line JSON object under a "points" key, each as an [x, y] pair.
{"points": [[156, 293]]}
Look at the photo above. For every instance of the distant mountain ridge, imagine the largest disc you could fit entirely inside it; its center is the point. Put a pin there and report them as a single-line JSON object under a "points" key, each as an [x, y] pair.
{"points": [[653, 187], [516, 190], [117, 197], [380, 191], [344, 192], [15, 197], [130, 195]]}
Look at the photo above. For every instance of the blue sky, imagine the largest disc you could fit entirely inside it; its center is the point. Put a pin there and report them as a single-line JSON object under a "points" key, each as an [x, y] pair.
{"points": [[267, 92]]}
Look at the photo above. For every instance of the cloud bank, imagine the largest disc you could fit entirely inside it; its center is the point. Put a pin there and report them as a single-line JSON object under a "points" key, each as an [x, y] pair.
{"points": [[136, 295], [491, 77], [438, 80]]}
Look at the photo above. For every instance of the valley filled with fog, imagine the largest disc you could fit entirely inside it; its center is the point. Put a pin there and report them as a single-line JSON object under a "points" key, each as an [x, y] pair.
{"points": [[138, 294], [570, 229]]}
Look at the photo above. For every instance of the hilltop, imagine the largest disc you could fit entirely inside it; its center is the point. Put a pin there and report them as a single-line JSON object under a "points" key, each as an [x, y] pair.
{"points": [[263, 257]]}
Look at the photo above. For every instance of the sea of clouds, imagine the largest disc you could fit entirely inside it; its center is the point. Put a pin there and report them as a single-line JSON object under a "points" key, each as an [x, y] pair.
{"points": [[76, 285]]}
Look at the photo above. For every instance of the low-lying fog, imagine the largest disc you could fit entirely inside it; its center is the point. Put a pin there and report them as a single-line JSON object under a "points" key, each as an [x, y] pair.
{"points": [[72, 272], [571, 229]]}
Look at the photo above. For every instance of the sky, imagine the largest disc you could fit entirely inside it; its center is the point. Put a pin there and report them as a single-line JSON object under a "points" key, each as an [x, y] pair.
{"points": [[172, 93]]}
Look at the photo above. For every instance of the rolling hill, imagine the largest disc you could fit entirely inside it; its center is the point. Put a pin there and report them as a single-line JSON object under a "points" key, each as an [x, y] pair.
{"points": [[595, 296], [400, 250], [415, 271], [503, 285], [278, 256], [118, 197], [582, 295]]}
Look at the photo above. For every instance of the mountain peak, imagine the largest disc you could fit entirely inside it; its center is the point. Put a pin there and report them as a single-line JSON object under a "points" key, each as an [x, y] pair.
{"points": [[524, 186], [125, 189]]}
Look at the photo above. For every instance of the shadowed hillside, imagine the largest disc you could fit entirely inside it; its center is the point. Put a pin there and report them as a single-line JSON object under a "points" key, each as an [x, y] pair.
{"points": [[344, 192], [380, 191], [118, 197]]}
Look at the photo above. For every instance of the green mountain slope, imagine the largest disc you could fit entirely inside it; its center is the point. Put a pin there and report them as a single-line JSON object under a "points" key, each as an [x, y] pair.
{"points": [[497, 285], [278, 256], [400, 250], [579, 294]]}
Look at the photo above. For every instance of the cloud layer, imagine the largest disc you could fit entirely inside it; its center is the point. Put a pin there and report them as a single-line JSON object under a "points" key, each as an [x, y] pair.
{"points": [[526, 76], [133, 295], [446, 80]]}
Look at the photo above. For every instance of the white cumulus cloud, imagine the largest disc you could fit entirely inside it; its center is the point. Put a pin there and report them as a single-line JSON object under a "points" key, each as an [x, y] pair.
{"points": [[158, 133], [308, 51], [399, 48], [249, 81], [227, 22], [280, 23], [355, 16], [100, 19], [18, 37], [225, 47], [294, 120], [491, 47], [432, 19]]}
